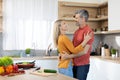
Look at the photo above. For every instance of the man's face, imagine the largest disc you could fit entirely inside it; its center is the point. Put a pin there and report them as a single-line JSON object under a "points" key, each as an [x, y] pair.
{"points": [[78, 19]]}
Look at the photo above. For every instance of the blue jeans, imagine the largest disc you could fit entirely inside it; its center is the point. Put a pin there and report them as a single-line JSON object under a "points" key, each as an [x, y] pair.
{"points": [[67, 71], [80, 72]]}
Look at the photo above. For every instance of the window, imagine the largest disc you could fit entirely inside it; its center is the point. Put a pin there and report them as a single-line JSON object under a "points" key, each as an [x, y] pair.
{"points": [[28, 23]]}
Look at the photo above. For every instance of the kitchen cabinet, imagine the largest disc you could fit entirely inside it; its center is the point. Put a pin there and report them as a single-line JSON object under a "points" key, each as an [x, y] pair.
{"points": [[103, 70], [98, 14], [114, 15]]}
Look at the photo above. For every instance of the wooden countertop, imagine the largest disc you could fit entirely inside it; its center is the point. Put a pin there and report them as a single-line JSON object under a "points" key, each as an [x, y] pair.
{"points": [[115, 60], [28, 76], [105, 58]]}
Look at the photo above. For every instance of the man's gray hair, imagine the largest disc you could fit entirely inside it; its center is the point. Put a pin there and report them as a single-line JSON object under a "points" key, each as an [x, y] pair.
{"points": [[83, 13]]}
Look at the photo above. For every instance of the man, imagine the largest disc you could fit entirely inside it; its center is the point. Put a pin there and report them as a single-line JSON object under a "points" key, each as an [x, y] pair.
{"points": [[81, 61]]}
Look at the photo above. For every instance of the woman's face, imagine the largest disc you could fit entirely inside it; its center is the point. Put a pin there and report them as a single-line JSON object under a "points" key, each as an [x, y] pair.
{"points": [[63, 26]]}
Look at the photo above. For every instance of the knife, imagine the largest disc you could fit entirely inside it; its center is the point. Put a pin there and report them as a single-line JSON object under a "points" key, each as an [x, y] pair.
{"points": [[36, 69]]}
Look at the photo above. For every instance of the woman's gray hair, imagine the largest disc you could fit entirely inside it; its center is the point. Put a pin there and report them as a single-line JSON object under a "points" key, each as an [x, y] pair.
{"points": [[83, 13]]}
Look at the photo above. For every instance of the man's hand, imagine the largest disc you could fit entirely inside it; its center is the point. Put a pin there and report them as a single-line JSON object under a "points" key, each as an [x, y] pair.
{"points": [[64, 55]]}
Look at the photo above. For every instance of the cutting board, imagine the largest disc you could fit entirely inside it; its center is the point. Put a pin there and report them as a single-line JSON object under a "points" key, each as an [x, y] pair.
{"points": [[43, 74]]}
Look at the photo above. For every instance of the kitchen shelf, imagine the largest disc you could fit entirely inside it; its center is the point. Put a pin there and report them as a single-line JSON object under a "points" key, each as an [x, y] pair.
{"points": [[80, 4], [103, 4], [67, 19], [67, 9], [102, 32], [98, 19], [90, 5], [108, 32], [90, 19]]}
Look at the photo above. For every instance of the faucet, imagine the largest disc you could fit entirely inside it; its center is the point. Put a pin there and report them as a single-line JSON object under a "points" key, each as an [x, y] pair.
{"points": [[34, 47], [48, 51]]}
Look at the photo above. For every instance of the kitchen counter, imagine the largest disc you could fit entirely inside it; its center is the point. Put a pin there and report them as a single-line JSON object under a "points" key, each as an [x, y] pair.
{"points": [[105, 58], [114, 60], [107, 64], [28, 76]]}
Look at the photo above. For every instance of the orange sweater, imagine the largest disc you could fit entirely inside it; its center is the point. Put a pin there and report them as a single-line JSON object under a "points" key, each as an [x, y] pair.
{"points": [[64, 44]]}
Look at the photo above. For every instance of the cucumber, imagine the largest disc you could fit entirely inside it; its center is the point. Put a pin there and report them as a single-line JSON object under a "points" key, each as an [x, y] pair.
{"points": [[50, 71]]}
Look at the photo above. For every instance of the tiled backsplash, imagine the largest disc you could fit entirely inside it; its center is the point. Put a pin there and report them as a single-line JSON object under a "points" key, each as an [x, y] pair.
{"points": [[113, 40], [21, 53], [108, 39], [96, 41]]}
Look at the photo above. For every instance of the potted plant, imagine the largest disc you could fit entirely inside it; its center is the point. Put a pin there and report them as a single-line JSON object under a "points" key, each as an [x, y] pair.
{"points": [[113, 52], [27, 51]]}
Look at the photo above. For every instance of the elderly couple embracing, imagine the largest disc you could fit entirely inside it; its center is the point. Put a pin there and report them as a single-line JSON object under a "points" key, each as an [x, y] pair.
{"points": [[74, 55]]}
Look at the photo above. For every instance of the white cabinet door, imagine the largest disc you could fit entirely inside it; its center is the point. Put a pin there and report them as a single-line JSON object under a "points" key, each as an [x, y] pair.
{"points": [[98, 70], [113, 15], [103, 70], [113, 71]]}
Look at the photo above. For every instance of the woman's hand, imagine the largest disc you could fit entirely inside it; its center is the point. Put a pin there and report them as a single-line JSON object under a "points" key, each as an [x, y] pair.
{"points": [[64, 55], [88, 36]]}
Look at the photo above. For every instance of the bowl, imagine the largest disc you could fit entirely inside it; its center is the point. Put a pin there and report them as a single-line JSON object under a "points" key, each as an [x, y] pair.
{"points": [[25, 66]]}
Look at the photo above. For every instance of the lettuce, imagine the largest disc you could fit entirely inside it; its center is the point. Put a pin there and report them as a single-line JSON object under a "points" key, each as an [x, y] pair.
{"points": [[7, 61]]}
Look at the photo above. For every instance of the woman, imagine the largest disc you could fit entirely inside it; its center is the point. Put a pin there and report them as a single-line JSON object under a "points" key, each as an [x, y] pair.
{"points": [[63, 43]]}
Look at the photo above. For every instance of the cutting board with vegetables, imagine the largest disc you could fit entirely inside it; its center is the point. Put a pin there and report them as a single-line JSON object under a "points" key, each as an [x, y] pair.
{"points": [[45, 72]]}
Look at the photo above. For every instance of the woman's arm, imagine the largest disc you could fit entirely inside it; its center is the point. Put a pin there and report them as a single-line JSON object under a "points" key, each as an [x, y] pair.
{"points": [[80, 53], [69, 56], [79, 48]]}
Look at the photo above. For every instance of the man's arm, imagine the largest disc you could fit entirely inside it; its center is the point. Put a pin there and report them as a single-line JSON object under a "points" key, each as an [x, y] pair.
{"points": [[86, 49], [67, 56]]}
